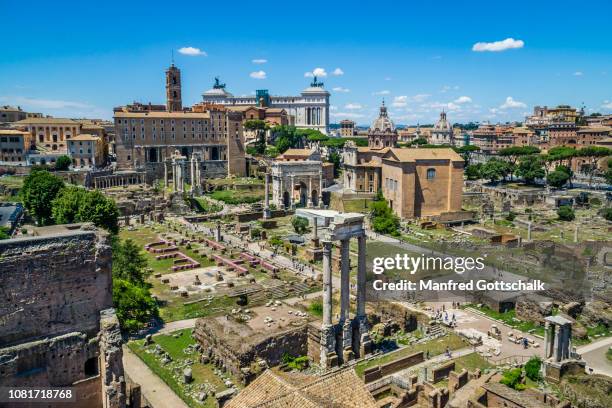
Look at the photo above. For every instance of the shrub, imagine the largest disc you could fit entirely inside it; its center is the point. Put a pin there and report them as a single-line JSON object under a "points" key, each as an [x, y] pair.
{"points": [[300, 224], [566, 213], [512, 378], [607, 213], [532, 368]]}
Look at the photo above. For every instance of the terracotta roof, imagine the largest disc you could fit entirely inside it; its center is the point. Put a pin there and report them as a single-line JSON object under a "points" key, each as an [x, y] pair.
{"points": [[589, 129], [13, 132], [170, 115], [524, 399], [50, 121], [298, 152], [341, 389], [404, 155], [84, 137]]}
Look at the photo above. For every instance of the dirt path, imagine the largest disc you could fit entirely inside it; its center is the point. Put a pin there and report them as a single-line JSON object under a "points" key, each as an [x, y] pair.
{"points": [[153, 388]]}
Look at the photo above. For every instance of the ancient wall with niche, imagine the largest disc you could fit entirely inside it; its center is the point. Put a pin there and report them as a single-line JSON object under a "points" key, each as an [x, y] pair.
{"points": [[53, 285]]}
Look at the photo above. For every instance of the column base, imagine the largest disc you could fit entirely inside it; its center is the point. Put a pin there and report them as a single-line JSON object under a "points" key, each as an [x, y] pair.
{"points": [[267, 213], [347, 355], [329, 358]]}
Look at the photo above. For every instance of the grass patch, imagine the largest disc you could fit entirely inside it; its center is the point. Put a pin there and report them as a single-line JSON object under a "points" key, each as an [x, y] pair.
{"points": [[471, 362], [435, 347], [236, 197], [171, 373], [510, 319]]}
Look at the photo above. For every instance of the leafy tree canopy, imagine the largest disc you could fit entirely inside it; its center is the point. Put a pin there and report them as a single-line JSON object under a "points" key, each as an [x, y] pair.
{"points": [[63, 163], [566, 213], [300, 224], [37, 194], [134, 305]]}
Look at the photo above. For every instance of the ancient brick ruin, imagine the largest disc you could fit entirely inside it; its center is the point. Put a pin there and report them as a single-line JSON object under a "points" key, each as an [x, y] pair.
{"points": [[57, 325]]}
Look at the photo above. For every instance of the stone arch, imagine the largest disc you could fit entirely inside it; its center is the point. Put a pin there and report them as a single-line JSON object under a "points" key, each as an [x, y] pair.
{"points": [[185, 151], [303, 194]]}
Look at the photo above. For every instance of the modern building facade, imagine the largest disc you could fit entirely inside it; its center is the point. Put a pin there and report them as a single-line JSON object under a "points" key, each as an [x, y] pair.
{"points": [[14, 146], [86, 151], [310, 109]]}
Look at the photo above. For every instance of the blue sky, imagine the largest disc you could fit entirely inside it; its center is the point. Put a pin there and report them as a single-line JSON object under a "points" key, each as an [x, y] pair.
{"points": [[81, 58]]}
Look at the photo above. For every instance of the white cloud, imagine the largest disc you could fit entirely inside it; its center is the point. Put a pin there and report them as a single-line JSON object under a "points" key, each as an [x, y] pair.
{"points": [[578, 73], [607, 105], [387, 78], [496, 46], [320, 72], [353, 106], [340, 89], [447, 88], [192, 51], [419, 97], [45, 103], [258, 75], [463, 99], [383, 92], [338, 72], [333, 107], [259, 61], [347, 115], [400, 101], [512, 104]]}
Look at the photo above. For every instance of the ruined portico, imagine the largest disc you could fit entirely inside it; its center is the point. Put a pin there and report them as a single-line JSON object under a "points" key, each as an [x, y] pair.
{"points": [[342, 341], [178, 165], [559, 358]]}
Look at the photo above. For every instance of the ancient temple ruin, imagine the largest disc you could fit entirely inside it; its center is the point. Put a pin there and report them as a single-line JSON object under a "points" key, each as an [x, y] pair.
{"points": [[348, 338], [559, 358]]}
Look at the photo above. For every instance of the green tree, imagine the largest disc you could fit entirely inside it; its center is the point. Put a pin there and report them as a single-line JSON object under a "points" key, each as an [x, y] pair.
{"points": [[472, 172], [63, 163], [532, 368], [65, 206], [37, 194], [607, 213], [100, 210], [300, 224], [259, 127], [557, 178], [275, 241], [566, 213], [75, 204], [334, 157], [134, 305], [384, 220], [286, 137], [418, 142], [128, 262], [495, 169], [466, 152], [335, 143], [531, 168], [513, 153], [593, 153]]}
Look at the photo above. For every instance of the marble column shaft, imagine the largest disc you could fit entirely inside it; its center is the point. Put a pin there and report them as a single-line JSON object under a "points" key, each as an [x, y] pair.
{"points": [[327, 283], [361, 276], [345, 280]]}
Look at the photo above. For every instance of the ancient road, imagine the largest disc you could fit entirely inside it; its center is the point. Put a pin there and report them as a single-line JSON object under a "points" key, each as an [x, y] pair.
{"points": [[595, 356], [153, 388]]}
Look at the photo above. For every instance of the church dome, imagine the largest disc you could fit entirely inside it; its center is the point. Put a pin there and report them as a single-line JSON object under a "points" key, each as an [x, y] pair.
{"points": [[443, 123], [382, 123]]}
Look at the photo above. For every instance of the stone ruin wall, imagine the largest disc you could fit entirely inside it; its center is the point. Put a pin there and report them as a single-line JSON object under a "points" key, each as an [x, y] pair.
{"points": [[51, 299], [53, 285], [240, 361]]}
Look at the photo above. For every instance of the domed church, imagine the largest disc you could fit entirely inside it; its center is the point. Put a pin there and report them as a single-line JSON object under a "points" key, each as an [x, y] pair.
{"points": [[442, 132], [382, 133]]}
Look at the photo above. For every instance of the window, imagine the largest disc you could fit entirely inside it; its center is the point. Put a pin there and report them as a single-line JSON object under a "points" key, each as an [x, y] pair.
{"points": [[431, 174]]}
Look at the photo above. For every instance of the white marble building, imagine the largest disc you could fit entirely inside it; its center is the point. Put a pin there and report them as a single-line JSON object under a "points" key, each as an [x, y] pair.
{"points": [[297, 184], [310, 110]]}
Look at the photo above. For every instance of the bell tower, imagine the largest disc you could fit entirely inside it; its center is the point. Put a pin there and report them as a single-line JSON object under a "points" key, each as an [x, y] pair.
{"points": [[174, 101]]}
